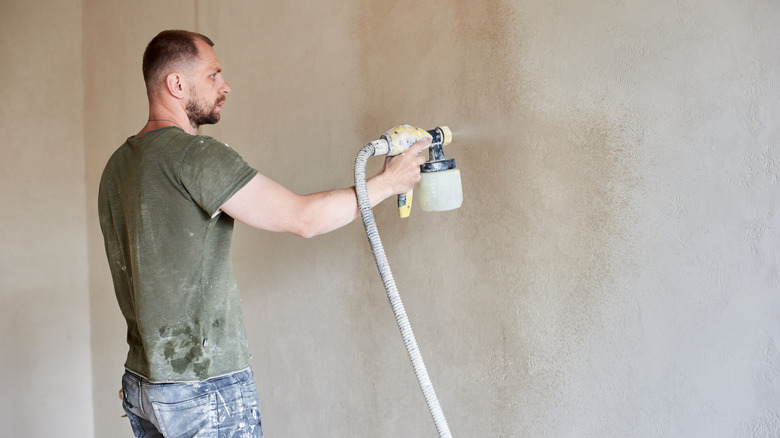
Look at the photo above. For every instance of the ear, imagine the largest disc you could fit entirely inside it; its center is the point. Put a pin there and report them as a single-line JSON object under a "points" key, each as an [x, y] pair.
{"points": [[175, 84]]}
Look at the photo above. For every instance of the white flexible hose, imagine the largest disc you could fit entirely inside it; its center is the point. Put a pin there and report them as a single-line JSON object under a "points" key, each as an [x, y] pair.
{"points": [[392, 292]]}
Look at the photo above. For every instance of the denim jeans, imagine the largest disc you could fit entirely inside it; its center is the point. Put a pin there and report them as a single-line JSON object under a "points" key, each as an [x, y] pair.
{"points": [[222, 407]]}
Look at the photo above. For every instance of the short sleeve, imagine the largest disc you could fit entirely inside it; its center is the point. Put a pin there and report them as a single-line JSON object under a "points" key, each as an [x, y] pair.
{"points": [[212, 173]]}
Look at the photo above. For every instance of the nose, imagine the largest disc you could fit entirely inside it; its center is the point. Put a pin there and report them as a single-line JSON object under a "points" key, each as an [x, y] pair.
{"points": [[226, 88]]}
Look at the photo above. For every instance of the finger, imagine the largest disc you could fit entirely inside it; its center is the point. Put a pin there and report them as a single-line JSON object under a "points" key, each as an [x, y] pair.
{"points": [[420, 145]]}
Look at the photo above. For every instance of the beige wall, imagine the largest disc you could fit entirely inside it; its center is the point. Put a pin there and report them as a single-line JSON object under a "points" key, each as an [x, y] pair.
{"points": [[45, 368], [613, 271]]}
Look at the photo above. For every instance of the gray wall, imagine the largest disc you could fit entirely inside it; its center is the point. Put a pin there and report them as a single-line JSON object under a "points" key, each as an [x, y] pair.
{"points": [[613, 271]]}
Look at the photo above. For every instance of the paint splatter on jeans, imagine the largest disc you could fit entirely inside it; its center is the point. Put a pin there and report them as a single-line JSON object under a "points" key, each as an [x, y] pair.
{"points": [[222, 407]]}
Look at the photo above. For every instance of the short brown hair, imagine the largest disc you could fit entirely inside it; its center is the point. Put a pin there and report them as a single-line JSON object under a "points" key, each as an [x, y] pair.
{"points": [[169, 51]]}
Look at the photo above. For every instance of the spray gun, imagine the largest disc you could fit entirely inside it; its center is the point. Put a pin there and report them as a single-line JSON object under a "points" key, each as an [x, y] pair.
{"points": [[440, 190], [440, 185]]}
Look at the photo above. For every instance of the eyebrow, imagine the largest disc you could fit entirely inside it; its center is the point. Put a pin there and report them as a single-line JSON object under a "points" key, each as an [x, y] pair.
{"points": [[214, 67]]}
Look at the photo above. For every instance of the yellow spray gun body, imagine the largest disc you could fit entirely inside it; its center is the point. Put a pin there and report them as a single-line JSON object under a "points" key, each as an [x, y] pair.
{"points": [[401, 138]]}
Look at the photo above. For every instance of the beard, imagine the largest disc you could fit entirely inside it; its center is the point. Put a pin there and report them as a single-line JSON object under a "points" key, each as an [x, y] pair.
{"points": [[201, 113]]}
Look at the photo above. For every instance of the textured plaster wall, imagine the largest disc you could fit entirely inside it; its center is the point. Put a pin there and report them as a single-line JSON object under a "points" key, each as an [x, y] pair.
{"points": [[613, 271], [45, 369]]}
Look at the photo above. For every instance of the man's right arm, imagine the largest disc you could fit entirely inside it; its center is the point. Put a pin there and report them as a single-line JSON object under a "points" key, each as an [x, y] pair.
{"points": [[265, 204]]}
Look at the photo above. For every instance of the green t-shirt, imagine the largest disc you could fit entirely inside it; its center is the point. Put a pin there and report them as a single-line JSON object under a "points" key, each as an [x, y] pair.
{"points": [[168, 247]]}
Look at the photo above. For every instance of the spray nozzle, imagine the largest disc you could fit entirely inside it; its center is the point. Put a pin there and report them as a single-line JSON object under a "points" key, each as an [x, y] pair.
{"points": [[440, 136]]}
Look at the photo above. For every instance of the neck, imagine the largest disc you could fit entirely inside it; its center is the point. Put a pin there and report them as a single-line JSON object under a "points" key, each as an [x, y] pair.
{"points": [[160, 117], [164, 123]]}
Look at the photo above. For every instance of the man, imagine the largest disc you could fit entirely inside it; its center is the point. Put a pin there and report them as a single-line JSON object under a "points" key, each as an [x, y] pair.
{"points": [[167, 201]]}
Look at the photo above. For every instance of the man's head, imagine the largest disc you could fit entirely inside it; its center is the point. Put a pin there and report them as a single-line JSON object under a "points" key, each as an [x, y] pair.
{"points": [[170, 51], [183, 65]]}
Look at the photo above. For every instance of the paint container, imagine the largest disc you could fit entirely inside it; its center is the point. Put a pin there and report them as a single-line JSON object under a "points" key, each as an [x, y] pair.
{"points": [[440, 184]]}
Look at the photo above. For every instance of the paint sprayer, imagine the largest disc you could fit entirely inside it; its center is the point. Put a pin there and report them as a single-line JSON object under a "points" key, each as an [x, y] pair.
{"points": [[440, 186], [440, 190]]}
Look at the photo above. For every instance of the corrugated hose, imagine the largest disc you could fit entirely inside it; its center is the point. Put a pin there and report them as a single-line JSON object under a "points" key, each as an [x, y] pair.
{"points": [[392, 291]]}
